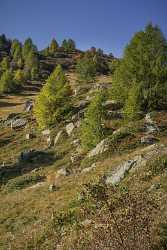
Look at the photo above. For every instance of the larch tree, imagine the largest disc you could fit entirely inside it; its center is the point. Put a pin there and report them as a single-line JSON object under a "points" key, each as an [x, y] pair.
{"points": [[53, 102]]}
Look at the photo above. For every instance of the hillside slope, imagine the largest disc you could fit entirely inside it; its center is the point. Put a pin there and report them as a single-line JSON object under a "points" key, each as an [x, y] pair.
{"points": [[44, 201]]}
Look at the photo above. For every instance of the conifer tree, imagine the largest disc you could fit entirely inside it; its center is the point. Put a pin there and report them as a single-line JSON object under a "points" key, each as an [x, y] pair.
{"points": [[91, 127], [86, 68], [7, 83], [53, 102], [19, 77], [31, 66], [143, 64], [5, 64], [53, 47], [28, 47]]}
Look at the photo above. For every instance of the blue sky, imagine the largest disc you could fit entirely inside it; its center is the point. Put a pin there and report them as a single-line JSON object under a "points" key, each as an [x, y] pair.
{"points": [[108, 24]]}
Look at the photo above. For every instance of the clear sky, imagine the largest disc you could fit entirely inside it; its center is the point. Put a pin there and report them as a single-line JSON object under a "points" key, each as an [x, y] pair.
{"points": [[108, 24]]}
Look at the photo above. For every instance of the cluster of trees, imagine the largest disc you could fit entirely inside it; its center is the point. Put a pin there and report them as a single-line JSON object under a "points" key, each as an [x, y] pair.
{"points": [[19, 64], [91, 63], [67, 46], [139, 83]]}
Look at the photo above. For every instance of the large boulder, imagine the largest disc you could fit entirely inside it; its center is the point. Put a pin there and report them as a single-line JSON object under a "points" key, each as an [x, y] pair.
{"points": [[114, 177], [100, 148]]}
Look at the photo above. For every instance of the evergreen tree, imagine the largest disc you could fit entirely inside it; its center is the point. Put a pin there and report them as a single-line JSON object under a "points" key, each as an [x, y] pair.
{"points": [[7, 83], [5, 64], [28, 47], [91, 127], [53, 47], [86, 69], [31, 66], [144, 64], [52, 104], [19, 77], [68, 45]]}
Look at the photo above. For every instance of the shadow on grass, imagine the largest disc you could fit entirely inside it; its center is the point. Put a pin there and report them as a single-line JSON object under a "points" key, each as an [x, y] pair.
{"points": [[23, 166], [8, 104]]}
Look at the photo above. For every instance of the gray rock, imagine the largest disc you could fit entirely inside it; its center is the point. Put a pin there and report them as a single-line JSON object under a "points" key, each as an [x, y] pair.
{"points": [[120, 172], [148, 139], [133, 164], [29, 136], [57, 137], [63, 172], [18, 123], [86, 170], [69, 128], [100, 148], [75, 157], [28, 106], [52, 187]]}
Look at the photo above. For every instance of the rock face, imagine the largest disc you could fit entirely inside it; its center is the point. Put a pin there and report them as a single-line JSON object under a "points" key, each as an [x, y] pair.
{"points": [[57, 137], [69, 128], [120, 172], [131, 165], [100, 148]]}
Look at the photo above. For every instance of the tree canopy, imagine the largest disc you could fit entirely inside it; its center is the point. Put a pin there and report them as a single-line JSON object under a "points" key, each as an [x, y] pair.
{"points": [[53, 102], [144, 65], [91, 127]]}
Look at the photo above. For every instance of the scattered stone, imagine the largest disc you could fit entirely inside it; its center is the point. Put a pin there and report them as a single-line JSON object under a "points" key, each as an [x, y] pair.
{"points": [[148, 139], [75, 157], [100, 148], [154, 187], [76, 142], [82, 104], [52, 187], [131, 165], [120, 172], [28, 106], [63, 172], [46, 132], [69, 128], [18, 123], [112, 105], [29, 136], [151, 126], [78, 124], [57, 137], [86, 170], [86, 223]]}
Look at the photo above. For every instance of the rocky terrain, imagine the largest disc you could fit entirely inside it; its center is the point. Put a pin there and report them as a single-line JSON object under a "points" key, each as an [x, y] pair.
{"points": [[43, 173]]}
